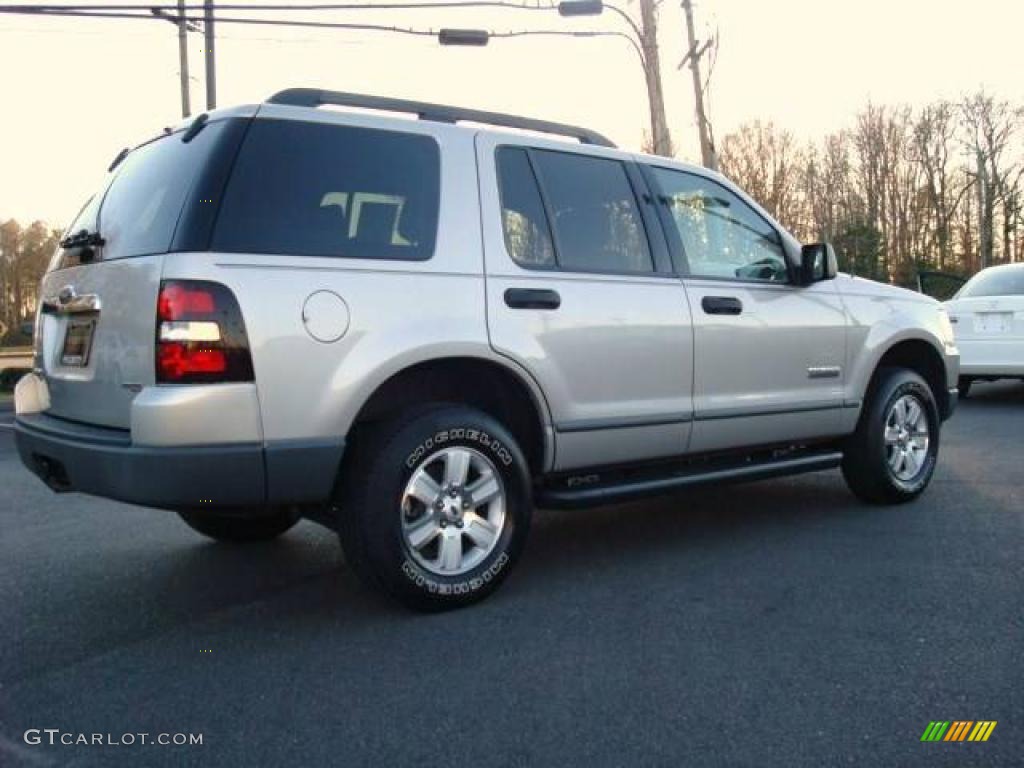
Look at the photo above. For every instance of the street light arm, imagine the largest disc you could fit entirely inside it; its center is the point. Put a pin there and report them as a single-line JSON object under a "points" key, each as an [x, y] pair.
{"points": [[582, 33], [629, 20]]}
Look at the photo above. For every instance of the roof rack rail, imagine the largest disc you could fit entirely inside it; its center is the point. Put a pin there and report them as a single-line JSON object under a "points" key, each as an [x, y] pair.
{"points": [[314, 97]]}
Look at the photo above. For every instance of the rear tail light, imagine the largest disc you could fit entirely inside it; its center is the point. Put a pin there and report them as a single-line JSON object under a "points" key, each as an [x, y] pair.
{"points": [[200, 335]]}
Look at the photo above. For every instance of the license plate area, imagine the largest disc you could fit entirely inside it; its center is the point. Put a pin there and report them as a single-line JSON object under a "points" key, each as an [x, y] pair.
{"points": [[77, 342], [993, 322]]}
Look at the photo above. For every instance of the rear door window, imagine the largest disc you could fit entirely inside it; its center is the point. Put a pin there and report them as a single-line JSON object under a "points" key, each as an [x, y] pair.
{"points": [[594, 212], [316, 189]]}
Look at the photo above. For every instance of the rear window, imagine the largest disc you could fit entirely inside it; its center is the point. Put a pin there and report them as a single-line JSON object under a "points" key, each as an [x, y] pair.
{"points": [[994, 282], [314, 189], [140, 210]]}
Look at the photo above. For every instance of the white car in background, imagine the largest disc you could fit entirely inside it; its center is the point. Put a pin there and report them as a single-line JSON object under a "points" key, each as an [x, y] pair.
{"points": [[988, 320]]}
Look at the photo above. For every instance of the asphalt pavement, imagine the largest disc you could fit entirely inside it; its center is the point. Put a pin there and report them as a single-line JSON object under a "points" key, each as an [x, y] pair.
{"points": [[778, 623]]}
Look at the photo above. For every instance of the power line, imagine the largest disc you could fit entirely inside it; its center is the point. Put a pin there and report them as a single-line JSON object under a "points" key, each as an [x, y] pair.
{"points": [[360, 27], [390, 6], [352, 26]]}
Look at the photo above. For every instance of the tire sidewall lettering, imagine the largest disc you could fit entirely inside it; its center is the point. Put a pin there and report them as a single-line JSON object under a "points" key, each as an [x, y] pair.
{"points": [[454, 588], [445, 436]]}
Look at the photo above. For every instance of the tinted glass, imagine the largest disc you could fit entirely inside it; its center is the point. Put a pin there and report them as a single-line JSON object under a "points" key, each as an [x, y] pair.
{"points": [[597, 225], [722, 236], [995, 282], [527, 235], [141, 208], [328, 190], [85, 219]]}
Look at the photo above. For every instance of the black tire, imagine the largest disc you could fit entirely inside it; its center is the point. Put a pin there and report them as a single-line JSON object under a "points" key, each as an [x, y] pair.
{"points": [[260, 525], [866, 467], [372, 516], [963, 387]]}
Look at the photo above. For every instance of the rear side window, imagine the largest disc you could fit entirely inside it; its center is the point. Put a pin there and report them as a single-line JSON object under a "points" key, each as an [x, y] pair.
{"points": [[995, 282], [140, 210], [314, 189], [587, 201], [595, 215]]}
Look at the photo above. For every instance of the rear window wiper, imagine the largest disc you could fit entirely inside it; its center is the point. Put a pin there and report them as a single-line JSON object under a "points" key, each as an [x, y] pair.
{"points": [[117, 160], [82, 239]]}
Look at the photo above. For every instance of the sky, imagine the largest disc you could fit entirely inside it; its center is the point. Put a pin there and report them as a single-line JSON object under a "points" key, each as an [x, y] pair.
{"points": [[75, 91]]}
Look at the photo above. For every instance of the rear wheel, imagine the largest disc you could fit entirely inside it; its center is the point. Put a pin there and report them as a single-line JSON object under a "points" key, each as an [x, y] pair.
{"points": [[963, 386], [435, 507], [260, 525], [891, 456]]}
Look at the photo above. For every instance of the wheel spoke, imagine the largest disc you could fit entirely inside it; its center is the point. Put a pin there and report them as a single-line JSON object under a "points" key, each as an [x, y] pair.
{"points": [[449, 556], [423, 487], [896, 459], [422, 532], [900, 412], [912, 464], [913, 413], [480, 530], [485, 489], [456, 466], [892, 435]]}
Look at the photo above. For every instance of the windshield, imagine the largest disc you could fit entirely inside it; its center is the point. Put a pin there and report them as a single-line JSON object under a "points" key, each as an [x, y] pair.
{"points": [[1000, 281]]}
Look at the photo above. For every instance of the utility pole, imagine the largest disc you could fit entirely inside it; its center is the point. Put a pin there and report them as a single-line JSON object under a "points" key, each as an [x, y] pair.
{"points": [[661, 141], [708, 156], [211, 72], [186, 107]]}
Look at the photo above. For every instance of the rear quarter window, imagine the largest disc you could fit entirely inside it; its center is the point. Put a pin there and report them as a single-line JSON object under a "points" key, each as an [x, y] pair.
{"points": [[316, 189]]}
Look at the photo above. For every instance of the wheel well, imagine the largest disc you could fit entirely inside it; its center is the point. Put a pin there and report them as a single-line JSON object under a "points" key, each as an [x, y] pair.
{"points": [[481, 384], [922, 358]]}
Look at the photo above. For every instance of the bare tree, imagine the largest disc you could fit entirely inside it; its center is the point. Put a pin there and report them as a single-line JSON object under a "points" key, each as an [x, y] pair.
{"points": [[765, 161], [988, 127], [902, 190]]}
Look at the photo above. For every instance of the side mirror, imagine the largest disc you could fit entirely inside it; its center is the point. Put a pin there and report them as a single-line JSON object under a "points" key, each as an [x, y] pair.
{"points": [[817, 262]]}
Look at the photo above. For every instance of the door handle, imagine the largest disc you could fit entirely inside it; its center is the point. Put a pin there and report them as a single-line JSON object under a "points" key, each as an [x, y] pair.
{"points": [[532, 298], [721, 305]]}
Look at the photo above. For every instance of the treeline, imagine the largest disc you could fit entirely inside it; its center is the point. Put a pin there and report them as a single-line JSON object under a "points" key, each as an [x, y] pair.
{"points": [[901, 190], [24, 254]]}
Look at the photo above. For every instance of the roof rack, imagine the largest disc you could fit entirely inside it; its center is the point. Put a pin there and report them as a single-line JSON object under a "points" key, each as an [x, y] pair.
{"points": [[314, 97]]}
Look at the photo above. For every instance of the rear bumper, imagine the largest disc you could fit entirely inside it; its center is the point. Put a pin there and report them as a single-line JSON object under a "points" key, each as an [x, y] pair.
{"points": [[69, 456], [992, 357]]}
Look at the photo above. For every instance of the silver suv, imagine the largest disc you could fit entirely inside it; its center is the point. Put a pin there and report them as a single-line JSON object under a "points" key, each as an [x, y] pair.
{"points": [[414, 331]]}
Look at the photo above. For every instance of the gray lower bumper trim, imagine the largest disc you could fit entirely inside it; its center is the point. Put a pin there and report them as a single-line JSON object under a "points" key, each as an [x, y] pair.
{"points": [[302, 471], [103, 462]]}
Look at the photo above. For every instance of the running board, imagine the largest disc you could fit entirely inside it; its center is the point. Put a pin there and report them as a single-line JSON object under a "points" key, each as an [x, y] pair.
{"points": [[590, 490]]}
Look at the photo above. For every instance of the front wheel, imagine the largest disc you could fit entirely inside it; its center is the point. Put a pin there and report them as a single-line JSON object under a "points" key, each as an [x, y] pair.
{"points": [[891, 456], [435, 507]]}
